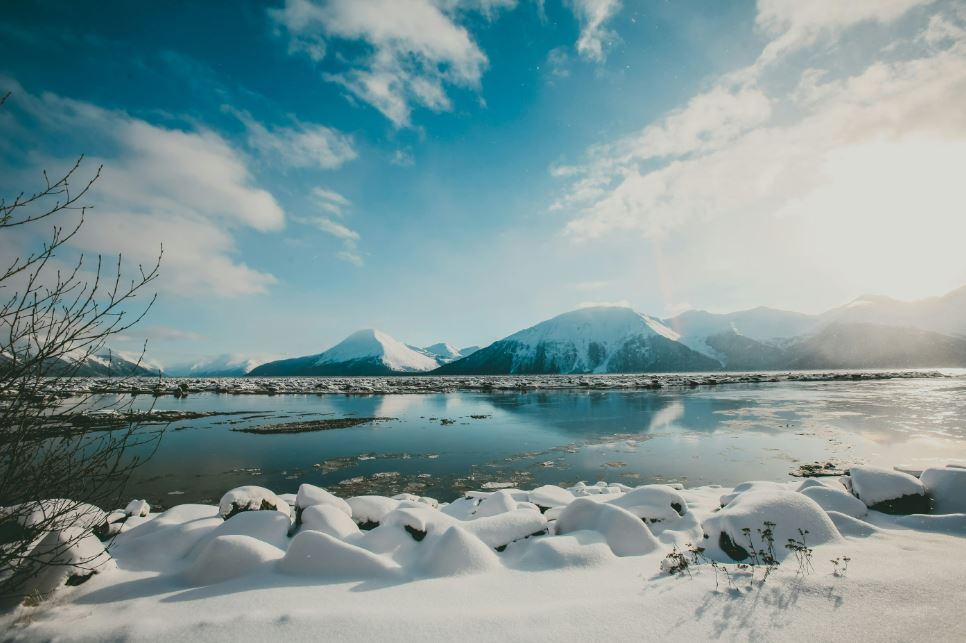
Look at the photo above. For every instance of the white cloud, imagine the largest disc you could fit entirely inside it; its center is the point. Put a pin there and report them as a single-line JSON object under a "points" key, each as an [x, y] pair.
{"points": [[793, 24], [593, 16], [335, 228], [303, 145], [335, 204], [414, 48], [848, 181], [186, 189]]}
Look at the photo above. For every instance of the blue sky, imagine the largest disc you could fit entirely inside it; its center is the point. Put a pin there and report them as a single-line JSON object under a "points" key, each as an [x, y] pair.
{"points": [[455, 171]]}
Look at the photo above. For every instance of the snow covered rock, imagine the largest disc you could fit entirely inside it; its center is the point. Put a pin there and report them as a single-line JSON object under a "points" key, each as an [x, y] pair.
{"points": [[496, 503], [267, 526], [834, 500], [230, 556], [653, 503], [753, 485], [313, 553], [947, 488], [624, 532], [139, 508], [888, 490], [310, 495], [166, 538], [502, 529], [549, 496], [786, 511], [251, 498], [368, 511], [329, 519], [457, 553], [65, 556], [578, 549]]}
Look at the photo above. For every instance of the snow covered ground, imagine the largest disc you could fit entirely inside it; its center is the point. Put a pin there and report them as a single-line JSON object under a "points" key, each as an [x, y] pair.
{"points": [[585, 563]]}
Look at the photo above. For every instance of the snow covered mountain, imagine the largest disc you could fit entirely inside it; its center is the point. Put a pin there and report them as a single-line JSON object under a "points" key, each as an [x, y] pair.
{"points": [[106, 364], [365, 352], [870, 332], [443, 353], [602, 339], [945, 314], [226, 365]]}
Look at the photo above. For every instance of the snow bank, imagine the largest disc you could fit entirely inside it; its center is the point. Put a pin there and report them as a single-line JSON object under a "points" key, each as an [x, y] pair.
{"points": [[888, 490], [789, 512], [441, 573], [947, 488], [251, 498], [623, 532]]}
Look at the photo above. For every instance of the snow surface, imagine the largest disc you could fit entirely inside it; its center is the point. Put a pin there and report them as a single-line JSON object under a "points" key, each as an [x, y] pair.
{"points": [[514, 574], [372, 343]]}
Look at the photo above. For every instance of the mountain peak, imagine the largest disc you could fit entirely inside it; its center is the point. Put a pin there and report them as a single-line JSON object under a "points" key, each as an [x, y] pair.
{"points": [[371, 343]]}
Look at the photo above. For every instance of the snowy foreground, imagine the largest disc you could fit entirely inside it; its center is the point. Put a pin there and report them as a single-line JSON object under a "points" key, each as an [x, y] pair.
{"points": [[586, 563]]}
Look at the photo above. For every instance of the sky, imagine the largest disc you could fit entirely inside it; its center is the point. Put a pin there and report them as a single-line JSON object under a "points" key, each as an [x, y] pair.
{"points": [[456, 170]]}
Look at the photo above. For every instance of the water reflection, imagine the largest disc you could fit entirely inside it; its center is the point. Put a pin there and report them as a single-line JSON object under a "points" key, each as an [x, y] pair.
{"points": [[444, 443]]}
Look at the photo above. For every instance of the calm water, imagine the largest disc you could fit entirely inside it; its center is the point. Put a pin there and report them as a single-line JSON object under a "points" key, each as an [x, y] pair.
{"points": [[710, 435]]}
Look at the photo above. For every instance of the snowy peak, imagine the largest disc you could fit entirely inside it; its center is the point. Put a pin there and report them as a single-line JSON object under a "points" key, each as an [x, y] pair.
{"points": [[371, 344], [606, 324], [444, 351], [601, 339]]}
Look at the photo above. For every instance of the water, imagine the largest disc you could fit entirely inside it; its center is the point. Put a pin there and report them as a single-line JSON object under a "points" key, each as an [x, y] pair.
{"points": [[722, 435]]}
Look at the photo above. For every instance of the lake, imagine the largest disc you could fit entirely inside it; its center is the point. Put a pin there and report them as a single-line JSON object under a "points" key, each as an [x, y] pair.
{"points": [[445, 443]]}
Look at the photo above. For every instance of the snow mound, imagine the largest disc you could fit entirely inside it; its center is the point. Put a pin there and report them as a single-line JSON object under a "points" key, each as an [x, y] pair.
{"points": [[787, 510], [753, 485], [624, 532], [251, 498], [501, 530], [496, 503], [310, 495], [313, 553], [834, 500], [947, 488], [578, 549], [852, 527], [65, 556], [370, 510], [167, 537], [267, 526], [551, 496], [230, 556], [888, 490], [458, 553], [329, 519], [653, 503]]}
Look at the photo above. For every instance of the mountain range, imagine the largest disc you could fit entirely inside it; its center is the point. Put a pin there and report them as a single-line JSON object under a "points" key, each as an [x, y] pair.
{"points": [[870, 332]]}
